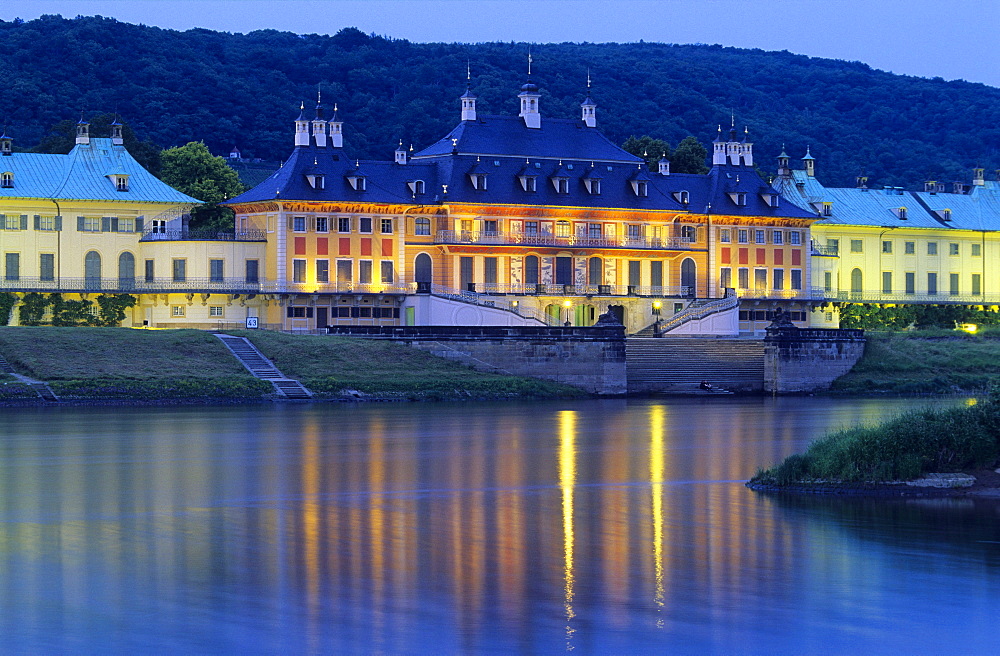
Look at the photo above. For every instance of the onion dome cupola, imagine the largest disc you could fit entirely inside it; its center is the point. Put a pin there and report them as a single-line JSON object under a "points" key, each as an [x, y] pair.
{"points": [[810, 163], [319, 126], [302, 127], [6, 144], [117, 138], [82, 132]]}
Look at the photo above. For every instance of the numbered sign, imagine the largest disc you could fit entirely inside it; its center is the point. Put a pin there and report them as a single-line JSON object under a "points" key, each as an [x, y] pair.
{"points": [[251, 322]]}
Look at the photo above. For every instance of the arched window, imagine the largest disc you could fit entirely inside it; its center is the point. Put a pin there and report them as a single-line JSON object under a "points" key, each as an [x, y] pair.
{"points": [[92, 269], [422, 268], [126, 270], [856, 281], [531, 270], [595, 271], [689, 276]]}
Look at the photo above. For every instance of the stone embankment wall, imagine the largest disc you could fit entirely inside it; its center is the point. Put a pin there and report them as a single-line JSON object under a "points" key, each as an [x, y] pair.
{"points": [[592, 359], [807, 360]]}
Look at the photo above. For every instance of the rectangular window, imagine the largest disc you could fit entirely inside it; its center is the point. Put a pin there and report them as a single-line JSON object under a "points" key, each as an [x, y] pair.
{"points": [[177, 310], [777, 238], [909, 247], [215, 310], [833, 246], [827, 281], [594, 231], [725, 277], [759, 237], [531, 227], [422, 226], [47, 266], [778, 279], [490, 270], [724, 236], [180, 270], [150, 271], [46, 223], [386, 226], [253, 270], [856, 246], [344, 224], [388, 274], [797, 279], [977, 250], [345, 271], [656, 273], [760, 279], [952, 248], [12, 270], [299, 224], [887, 247], [744, 278], [126, 225], [365, 224], [298, 270], [744, 236], [322, 224], [365, 272], [88, 223], [953, 284], [911, 283], [932, 248], [215, 271], [322, 270], [886, 282], [795, 238], [634, 273], [977, 288], [932, 284]]}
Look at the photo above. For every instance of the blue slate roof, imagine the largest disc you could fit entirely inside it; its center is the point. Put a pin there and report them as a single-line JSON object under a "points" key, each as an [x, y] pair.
{"points": [[82, 174], [977, 210], [503, 149]]}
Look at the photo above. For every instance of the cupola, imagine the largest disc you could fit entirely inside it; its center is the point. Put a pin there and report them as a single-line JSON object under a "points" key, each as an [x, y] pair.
{"points": [[319, 127], [400, 153], [82, 132], [336, 130], [116, 132], [588, 108], [810, 163], [663, 166], [302, 127], [6, 144], [784, 170], [468, 98]]}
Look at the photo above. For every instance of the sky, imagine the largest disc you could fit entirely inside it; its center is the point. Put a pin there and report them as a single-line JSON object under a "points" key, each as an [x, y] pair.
{"points": [[927, 38]]}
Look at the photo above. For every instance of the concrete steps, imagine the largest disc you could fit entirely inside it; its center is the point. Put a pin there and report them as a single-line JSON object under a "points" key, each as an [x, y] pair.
{"points": [[41, 389], [678, 364], [261, 367]]}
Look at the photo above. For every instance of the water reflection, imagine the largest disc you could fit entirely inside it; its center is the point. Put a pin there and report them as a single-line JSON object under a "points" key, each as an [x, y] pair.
{"points": [[599, 526]]}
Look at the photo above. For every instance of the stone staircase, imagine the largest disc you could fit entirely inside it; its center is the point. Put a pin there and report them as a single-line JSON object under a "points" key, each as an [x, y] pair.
{"points": [[41, 389], [676, 365], [262, 368]]}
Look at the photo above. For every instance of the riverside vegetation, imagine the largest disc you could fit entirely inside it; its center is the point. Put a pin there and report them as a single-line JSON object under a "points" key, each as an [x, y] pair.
{"points": [[148, 366]]}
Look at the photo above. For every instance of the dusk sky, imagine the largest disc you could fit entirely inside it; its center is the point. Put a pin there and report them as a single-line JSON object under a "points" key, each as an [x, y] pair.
{"points": [[915, 37]]}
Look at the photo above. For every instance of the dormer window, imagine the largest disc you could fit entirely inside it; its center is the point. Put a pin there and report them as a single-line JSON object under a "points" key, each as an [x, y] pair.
{"points": [[640, 188], [316, 181], [682, 197], [901, 213], [739, 198], [771, 200], [827, 209], [478, 181], [946, 215], [561, 185], [357, 182], [593, 186], [120, 181], [6, 180], [416, 186], [528, 182]]}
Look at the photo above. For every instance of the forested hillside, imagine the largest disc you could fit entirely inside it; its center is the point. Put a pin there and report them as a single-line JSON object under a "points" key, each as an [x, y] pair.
{"points": [[234, 89]]}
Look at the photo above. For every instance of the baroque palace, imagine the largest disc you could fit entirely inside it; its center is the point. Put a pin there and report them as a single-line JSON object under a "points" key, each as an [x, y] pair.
{"points": [[506, 220], [524, 220]]}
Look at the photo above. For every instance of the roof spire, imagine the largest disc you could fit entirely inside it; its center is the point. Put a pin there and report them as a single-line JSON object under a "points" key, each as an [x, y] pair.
{"points": [[529, 62]]}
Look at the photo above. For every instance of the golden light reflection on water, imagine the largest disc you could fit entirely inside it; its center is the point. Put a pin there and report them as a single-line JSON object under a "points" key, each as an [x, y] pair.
{"points": [[567, 481], [656, 458]]}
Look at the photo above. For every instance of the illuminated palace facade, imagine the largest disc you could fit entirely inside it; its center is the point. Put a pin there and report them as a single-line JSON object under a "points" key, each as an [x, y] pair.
{"points": [[95, 222], [522, 220], [889, 246]]}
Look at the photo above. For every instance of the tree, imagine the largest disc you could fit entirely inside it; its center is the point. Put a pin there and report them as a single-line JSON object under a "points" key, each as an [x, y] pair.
{"points": [[193, 170], [689, 157], [650, 149], [62, 137]]}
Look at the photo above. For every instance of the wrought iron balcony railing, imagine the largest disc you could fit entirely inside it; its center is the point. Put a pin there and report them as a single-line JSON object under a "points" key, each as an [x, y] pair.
{"points": [[543, 239]]}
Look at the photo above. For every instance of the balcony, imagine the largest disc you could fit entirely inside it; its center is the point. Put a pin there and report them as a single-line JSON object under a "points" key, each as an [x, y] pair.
{"points": [[191, 286], [153, 234], [544, 239], [493, 289], [894, 298]]}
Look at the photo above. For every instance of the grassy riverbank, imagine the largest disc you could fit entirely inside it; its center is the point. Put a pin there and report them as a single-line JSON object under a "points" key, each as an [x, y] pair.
{"points": [[925, 362], [192, 365], [902, 448]]}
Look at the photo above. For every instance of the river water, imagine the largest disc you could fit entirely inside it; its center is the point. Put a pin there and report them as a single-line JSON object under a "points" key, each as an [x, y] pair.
{"points": [[598, 527]]}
